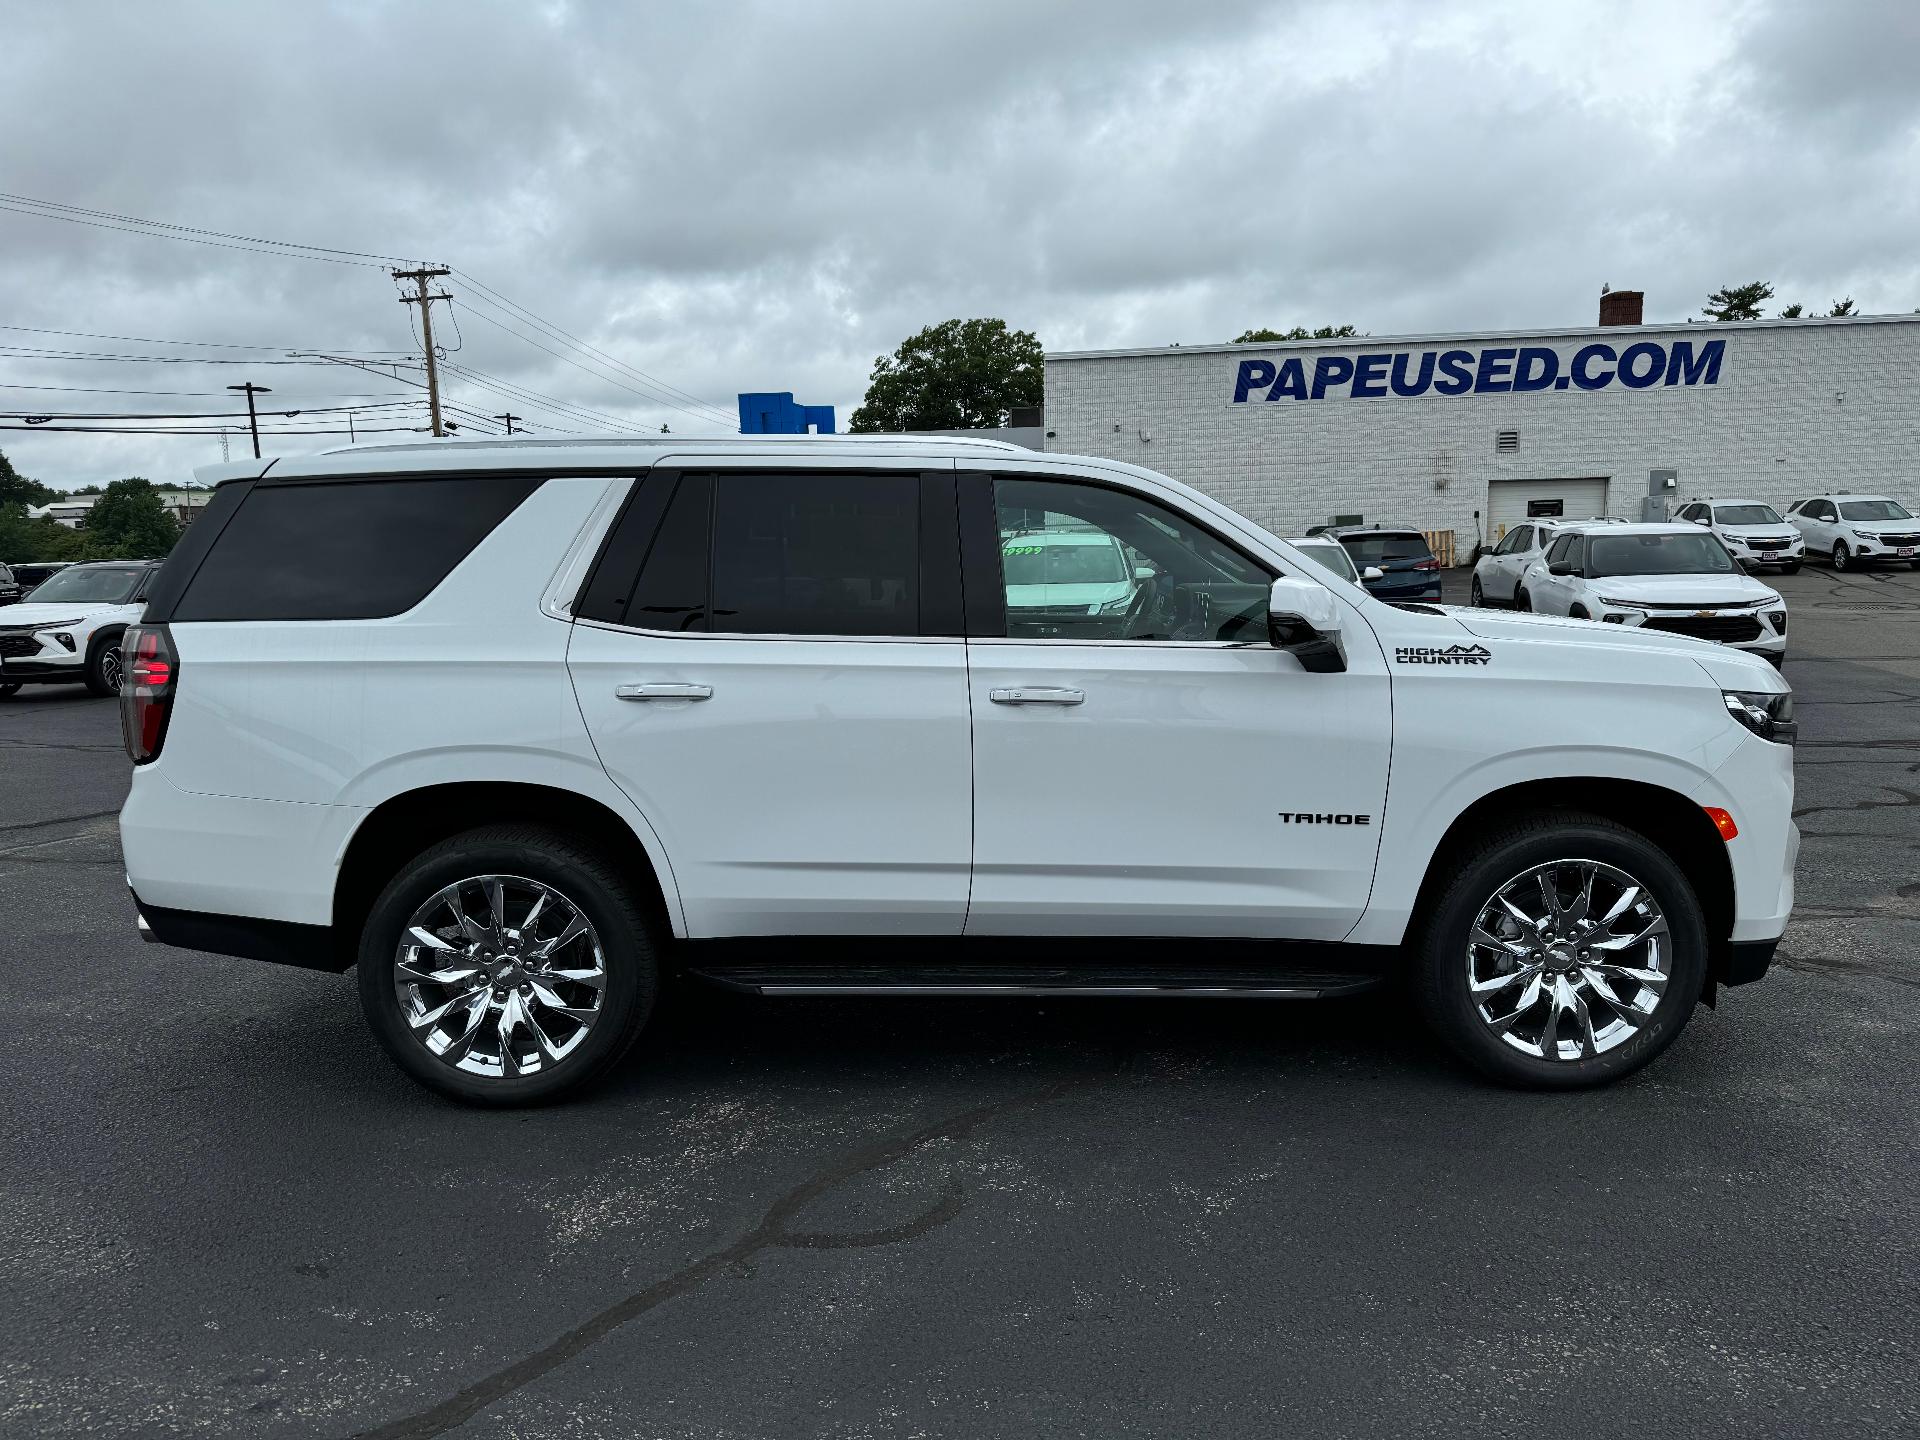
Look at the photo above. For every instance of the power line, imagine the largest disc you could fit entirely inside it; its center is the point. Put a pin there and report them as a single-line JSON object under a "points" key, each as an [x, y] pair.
{"points": [[218, 430], [206, 414], [150, 340], [162, 230], [511, 391]]}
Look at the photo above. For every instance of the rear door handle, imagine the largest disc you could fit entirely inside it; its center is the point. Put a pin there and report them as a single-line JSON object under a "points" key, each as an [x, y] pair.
{"points": [[1037, 695], [660, 690]]}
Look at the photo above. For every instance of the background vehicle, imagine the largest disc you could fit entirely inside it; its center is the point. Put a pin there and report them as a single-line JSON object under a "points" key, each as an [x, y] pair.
{"points": [[1065, 575], [1752, 531], [30, 575], [1857, 528], [9, 587], [1333, 556], [1408, 569], [68, 629], [1496, 574], [1673, 577], [761, 709]]}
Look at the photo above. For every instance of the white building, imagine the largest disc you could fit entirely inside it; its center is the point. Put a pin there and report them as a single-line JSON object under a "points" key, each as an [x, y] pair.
{"points": [[1467, 432]]}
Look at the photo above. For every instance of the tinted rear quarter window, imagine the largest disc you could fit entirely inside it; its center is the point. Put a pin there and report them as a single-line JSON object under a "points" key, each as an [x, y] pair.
{"points": [[826, 555], [346, 549]]}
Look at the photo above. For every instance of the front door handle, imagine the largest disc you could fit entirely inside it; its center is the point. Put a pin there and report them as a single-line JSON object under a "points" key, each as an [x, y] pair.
{"points": [[664, 691], [1037, 695]]}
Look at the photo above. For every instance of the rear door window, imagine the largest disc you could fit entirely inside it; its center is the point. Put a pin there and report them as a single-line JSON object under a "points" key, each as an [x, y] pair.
{"points": [[1385, 549], [345, 549], [816, 555]]}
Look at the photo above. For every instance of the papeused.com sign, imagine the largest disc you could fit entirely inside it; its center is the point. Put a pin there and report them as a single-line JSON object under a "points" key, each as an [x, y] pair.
{"points": [[1491, 370]]}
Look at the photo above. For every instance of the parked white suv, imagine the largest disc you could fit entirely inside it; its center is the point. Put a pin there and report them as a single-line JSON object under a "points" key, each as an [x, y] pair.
{"points": [[1856, 529], [517, 725], [1498, 572], [67, 630], [1752, 531]]}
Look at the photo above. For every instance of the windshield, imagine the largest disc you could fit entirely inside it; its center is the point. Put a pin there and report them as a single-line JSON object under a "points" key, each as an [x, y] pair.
{"points": [[1657, 555], [1873, 510], [1385, 549], [93, 585], [1036, 561], [1330, 557], [1747, 515]]}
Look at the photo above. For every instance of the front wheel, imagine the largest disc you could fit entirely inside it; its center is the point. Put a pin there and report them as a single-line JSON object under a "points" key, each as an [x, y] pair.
{"points": [[7, 692], [507, 966], [1578, 612], [1794, 568], [1475, 596], [1567, 951], [1842, 557], [1522, 600], [103, 667]]}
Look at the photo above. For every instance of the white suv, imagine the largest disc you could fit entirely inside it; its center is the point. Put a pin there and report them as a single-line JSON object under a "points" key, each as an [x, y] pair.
{"points": [[1855, 529], [516, 726], [67, 630], [1752, 531], [1498, 573], [1666, 577]]}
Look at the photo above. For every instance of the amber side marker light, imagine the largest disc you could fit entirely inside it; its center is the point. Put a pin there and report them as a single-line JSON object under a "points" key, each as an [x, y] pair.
{"points": [[1722, 821]]}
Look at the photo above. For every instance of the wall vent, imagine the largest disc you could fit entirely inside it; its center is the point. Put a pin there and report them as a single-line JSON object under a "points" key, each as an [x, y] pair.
{"points": [[1505, 442]]}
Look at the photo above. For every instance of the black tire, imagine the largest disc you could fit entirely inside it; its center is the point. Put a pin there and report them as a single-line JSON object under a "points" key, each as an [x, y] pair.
{"points": [[1578, 612], [591, 883], [1522, 600], [7, 692], [1475, 597], [1441, 972], [1794, 568], [1915, 564], [103, 664], [1842, 557], [1779, 661]]}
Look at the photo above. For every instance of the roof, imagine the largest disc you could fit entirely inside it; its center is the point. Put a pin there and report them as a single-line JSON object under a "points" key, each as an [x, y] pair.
{"points": [[590, 452], [1647, 527], [1461, 337]]}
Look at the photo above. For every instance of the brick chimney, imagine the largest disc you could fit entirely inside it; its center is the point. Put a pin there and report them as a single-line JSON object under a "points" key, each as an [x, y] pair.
{"points": [[1622, 307]]}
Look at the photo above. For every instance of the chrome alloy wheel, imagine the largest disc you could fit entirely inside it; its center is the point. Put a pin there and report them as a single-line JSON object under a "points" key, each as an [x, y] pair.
{"points": [[1569, 959], [499, 976], [110, 667]]}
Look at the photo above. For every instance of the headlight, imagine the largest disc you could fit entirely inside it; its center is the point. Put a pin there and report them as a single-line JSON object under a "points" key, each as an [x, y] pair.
{"points": [[1621, 604], [1865, 535], [53, 625], [1768, 714], [1114, 607]]}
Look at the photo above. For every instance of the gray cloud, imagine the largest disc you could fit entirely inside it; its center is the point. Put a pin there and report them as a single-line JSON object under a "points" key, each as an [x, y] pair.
{"points": [[753, 197]]}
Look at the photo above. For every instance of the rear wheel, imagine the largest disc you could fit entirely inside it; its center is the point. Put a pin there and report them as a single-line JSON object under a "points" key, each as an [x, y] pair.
{"points": [[507, 966], [1567, 951], [1842, 557], [1475, 596]]}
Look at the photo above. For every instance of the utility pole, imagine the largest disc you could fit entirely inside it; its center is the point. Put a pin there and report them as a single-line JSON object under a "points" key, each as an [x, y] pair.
{"points": [[509, 417], [253, 419], [425, 301]]}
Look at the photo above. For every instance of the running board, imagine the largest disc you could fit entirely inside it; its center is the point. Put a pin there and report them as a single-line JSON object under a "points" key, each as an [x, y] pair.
{"points": [[1195, 982]]}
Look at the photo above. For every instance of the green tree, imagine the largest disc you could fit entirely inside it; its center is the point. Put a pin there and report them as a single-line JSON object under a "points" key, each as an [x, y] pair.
{"points": [[1298, 332], [1843, 307], [1738, 302], [1792, 312], [16, 489], [129, 522], [957, 375]]}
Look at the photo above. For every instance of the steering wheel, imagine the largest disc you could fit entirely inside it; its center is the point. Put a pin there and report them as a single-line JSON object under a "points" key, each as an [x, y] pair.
{"points": [[1146, 596]]}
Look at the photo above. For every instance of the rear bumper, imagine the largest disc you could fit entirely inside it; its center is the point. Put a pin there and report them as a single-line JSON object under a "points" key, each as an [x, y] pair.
{"points": [[310, 947], [1745, 961]]}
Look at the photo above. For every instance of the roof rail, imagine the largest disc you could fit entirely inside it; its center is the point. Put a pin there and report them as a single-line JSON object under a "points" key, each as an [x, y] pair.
{"points": [[675, 442]]}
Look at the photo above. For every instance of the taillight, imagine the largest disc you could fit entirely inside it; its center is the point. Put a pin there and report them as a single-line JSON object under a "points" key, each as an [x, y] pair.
{"points": [[1430, 563], [148, 674]]}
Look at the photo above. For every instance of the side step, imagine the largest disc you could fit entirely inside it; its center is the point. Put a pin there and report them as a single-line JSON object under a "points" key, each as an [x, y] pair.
{"points": [[1199, 981]]}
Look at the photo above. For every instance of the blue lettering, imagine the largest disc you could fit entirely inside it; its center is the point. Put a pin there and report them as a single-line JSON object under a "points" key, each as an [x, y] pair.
{"points": [[1585, 379], [1370, 376], [1537, 368], [1330, 370], [1494, 365], [1683, 369], [1254, 375], [1292, 381], [1420, 384], [1457, 366], [1645, 350]]}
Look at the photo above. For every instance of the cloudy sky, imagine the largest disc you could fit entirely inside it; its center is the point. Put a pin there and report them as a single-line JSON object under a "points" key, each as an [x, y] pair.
{"points": [[717, 198]]}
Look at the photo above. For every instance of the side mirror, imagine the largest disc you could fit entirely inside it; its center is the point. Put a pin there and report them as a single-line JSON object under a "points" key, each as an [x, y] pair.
{"points": [[1144, 572], [1700, 520], [1373, 572], [1304, 619], [1562, 567]]}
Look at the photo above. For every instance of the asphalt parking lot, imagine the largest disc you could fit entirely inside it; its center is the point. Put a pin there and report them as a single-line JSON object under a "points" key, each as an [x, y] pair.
{"points": [[224, 1212]]}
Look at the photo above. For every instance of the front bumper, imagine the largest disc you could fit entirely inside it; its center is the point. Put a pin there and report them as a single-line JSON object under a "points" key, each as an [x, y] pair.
{"points": [[1877, 549], [1722, 626], [1793, 554]]}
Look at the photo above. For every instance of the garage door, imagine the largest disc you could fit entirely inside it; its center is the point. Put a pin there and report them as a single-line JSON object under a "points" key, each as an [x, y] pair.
{"points": [[1511, 501]]}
